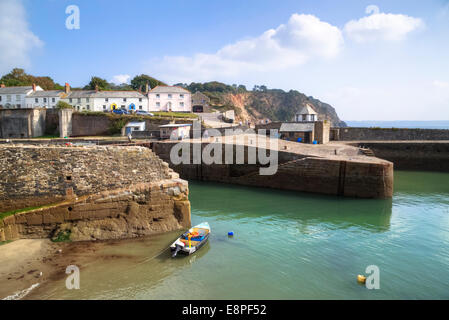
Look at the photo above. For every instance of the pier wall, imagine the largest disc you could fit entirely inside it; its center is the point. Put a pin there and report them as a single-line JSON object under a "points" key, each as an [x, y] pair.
{"points": [[95, 192], [295, 172], [391, 134], [419, 156]]}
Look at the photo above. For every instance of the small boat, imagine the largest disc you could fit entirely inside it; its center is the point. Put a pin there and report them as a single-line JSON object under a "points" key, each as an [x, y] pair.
{"points": [[191, 240]]}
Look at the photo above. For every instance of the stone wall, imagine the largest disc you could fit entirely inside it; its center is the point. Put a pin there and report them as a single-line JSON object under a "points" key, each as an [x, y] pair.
{"points": [[34, 175], [100, 125], [22, 123], [295, 172], [95, 192], [428, 156], [391, 134], [142, 209], [90, 125]]}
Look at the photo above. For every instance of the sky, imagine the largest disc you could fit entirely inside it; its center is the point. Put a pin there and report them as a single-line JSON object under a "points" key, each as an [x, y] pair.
{"points": [[371, 60]]}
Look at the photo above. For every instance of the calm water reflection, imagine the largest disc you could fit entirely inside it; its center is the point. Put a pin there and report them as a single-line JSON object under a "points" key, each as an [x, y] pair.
{"points": [[288, 245]]}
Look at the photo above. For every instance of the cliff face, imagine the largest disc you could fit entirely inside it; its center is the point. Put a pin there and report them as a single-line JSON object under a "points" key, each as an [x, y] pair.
{"points": [[278, 105], [262, 103]]}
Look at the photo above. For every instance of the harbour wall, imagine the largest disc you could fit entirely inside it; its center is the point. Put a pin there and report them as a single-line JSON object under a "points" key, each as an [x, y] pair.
{"points": [[391, 134], [341, 177], [94, 192], [412, 155]]}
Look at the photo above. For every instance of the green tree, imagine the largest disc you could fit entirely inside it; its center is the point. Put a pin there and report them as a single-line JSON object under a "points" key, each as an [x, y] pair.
{"points": [[97, 81], [139, 82], [18, 77]]}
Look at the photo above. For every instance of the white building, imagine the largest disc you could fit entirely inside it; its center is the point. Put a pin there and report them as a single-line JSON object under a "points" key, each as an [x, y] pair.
{"points": [[169, 98], [94, 100], [306, 114], [14, 97], [44, 99], [175, 131]]}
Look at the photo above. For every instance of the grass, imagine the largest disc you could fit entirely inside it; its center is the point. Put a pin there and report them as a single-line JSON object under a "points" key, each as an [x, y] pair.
{"points": [[63, 236], [3, 215], [175, 115], [5, 242]]}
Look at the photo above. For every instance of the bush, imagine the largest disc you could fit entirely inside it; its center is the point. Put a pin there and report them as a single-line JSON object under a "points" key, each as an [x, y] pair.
{"points": [[63, 105]]}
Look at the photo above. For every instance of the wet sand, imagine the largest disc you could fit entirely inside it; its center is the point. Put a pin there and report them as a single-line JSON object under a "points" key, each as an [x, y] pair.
{"points": [[29, 263]]}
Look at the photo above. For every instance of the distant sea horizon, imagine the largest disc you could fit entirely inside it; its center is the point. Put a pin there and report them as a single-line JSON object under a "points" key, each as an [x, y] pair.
{"points": [[435, 124]]}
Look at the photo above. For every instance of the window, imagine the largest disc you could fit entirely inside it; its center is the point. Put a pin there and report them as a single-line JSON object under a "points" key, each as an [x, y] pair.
{"points": [[78, 107], [106, 99], [140, 107], [124, 99], [8, 98], [169, 95], [0, 98], [104, 107], [140, 99], [181, 104], [36, 100], [181, 96], [303, 117], [53, 99], [158, 96], [158, 104], [45, 100], [88, 107], [71, 100], [123, 106], [18, 106], [87, 99], [18, 97], [79, 100]]}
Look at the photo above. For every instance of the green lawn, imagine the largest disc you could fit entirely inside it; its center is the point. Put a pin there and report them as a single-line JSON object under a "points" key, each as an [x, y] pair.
{"points": [[5, 242]]}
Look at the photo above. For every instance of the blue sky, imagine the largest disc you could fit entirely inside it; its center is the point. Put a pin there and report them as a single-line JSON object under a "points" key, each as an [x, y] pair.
{"points": [[387, 63]]}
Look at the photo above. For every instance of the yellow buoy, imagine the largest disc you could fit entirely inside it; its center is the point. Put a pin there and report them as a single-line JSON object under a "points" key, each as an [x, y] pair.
{"points": [[361, 279]]}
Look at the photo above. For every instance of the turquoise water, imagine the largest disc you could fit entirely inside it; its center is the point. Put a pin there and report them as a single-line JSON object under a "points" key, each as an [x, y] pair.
{"points": [[287, 245]]}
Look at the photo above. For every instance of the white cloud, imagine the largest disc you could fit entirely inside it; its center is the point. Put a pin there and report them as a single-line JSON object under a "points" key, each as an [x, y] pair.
{"points": [[120, 78], [16, 40], [441, 84], [303, 38], [381, 26]]}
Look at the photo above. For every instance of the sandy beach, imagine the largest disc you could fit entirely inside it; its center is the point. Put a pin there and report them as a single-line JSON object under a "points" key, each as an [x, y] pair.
{"points": [[29, 263]]}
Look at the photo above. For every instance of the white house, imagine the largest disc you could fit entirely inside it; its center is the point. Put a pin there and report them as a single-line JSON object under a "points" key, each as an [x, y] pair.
{"points": [[306, 114], [169, 98], [134, 126], [44, 99], [94, 100], [14, 97]]}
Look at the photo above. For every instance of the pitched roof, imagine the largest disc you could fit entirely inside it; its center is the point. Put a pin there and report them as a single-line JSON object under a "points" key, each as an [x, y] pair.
{"points": [[104, 94], [297, 127], [15, 90], [168, 89], [307, 109], [48, 93]]}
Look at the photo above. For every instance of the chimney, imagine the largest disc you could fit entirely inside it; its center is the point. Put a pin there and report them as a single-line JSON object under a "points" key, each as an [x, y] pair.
{"points": [[67, 88], [34, 87], [146, 88], [96, 88], [2, 85]]}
